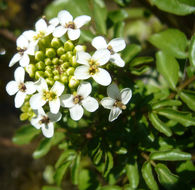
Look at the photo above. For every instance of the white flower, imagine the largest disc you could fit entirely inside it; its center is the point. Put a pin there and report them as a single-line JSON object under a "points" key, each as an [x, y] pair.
{"points": [[45, 95], [20, 88], [116, 101], [114, 46], [67, 24], [45, 122], [91, 66], [24, 48], [82, 98]]}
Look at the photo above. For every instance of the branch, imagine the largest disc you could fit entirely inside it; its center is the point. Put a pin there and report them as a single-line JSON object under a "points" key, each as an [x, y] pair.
{"points": [[147, 158], [7, 34]]}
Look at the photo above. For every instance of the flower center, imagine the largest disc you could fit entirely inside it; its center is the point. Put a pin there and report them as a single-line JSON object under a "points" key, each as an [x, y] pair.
{"points": [[39, 35], [70, 25], [77, 99], [22, 87], [21, 50], [120, 105], [110, 49], [44, 120], [49, 95], [93, 67]]}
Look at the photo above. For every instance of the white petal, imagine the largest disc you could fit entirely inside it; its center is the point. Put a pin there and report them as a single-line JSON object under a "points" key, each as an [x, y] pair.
{"points": [[30, 87], [41, 85], [35, 122], [113, 92], [54, 105], [15, 59], [41, 25], [102, 56], [76, 112], [31, 49], [37, 101], [54, 117], [116, 59], [24, 61], [22, 42], [84, 89], [117, 44], [50, 29], [81, 20], [19, 75], [58, 88], [54, 21], [114, 113], [48, 130], [90, 104], [82, 73], [29, 34], [102, 77], [64, 17], [99, 43], [12, 87], [59, 31], [107, 102], [126, 95], [19, 99], [67, 100], [83, 57], [40, 111], [73, 34]]}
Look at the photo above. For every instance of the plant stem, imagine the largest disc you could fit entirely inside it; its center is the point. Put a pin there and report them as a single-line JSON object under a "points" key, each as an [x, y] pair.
{"points": [[146, 157]]}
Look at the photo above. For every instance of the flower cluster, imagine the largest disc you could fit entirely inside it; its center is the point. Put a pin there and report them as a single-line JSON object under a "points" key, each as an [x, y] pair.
{"points": [[58, 67]]}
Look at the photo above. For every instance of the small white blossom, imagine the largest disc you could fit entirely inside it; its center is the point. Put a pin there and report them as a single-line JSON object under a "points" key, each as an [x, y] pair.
{"points": [[20, 88], [114, 46], [24, 48], [45, 95], [91, 67], [67, 24], [116, 101], [45, 122], [82, 98]]}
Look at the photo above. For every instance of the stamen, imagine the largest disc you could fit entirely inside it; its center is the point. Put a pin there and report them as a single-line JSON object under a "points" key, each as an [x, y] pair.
{"points": [[22, 87], [93, 67], [70, 25], [110, 49], [120, 105], [77, 99], [49, 95], [44, 120]]}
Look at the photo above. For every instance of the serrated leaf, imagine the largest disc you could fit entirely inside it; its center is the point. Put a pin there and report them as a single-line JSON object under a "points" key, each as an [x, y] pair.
{"points": [[168, 67], [165, 103], [159, 125], [75, 169], [43, 148], [185, 118], [148, 176], [189, 98], [192, 51], [25, 134], [170, 155], [178, 7], [141, 60], [108, 163], [171, 41]]}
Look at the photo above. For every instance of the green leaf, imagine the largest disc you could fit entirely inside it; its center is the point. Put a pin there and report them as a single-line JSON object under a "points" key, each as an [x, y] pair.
{"points": [[86, 36], [76, 8], [189, 98], [148, 176], [117, 15], [141, 60], [108, 163], [171, 41], [100, 15], [159, 125], [75, 169], [178, 7], [97, 156], [132, 174], [139, 71], [51, 188], [130, 52], [192, 51], [122, 2], [170, 155], [43, 148], [184, 118], [165, 103], [119, 29], [60, 172], [168, 67], [57, 138], [165, 177], [25, 134], [111, 187]]}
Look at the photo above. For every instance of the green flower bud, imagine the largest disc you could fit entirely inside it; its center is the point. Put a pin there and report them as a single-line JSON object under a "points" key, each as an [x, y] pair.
{"points": [[60, 51], [79, 48], [30, 69], [57, 77], [55, 61], [50, 52], [55, 72], [69, 55], [23, 116], [74, 61], [48, 74], [64, 78], [48, 61], [24, 108], [40, 65], [64, 57], [68, 45], [39, 74], [70, 71], [56, 43], [65, 65], [49, 68], [50, 81], [73, 82], [39, 56]]}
